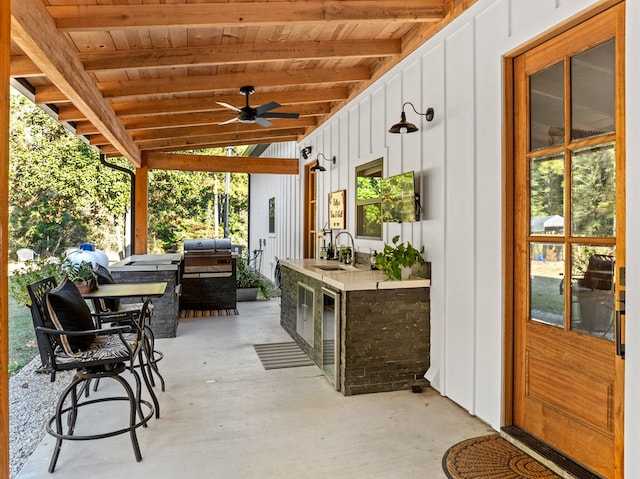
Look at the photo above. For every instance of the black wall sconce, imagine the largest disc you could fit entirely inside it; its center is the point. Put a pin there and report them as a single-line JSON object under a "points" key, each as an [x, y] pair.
{"points": [[318, 166], [404, 126], [305, 152]]}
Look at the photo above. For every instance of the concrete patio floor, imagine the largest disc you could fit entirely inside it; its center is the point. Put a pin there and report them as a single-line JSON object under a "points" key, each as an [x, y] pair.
{"points": [[224, 416]]}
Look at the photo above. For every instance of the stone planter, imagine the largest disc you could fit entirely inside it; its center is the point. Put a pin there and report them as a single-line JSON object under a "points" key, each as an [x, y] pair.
{"points": [[247, 294]]}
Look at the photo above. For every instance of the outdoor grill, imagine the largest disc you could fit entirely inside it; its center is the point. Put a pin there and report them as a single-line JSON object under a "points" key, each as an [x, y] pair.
{"points": [[207, 258], [208, 275]]}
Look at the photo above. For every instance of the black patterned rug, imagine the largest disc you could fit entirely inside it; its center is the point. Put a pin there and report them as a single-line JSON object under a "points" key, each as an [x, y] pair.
{"points": [[492, 457]]}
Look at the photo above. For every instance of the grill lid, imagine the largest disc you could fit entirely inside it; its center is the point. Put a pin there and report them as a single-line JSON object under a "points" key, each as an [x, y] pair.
{"points": [[205, 244]]}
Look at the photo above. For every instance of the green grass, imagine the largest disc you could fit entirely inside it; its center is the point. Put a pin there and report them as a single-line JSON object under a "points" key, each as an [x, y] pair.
{"points": [[22, 337], [545, 295]]}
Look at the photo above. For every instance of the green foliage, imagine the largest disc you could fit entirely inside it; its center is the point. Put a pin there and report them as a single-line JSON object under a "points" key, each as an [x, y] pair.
{"points": [[246, 277], [391, 258], [31, 272], [60, 194], [593, 180], [547, 187], [186, 204], [82, 271], [593, 194]]}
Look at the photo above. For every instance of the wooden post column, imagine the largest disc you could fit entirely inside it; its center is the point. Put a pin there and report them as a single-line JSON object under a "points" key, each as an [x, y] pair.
{"points": [[141, 210], [5, 44]]}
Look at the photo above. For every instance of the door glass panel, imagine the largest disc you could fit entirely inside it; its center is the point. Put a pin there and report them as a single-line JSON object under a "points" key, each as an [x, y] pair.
{"points": [[592, 290], [593, 191], [593, 92], [546, 286], [546, 93], [547, 195], [330, 344]]}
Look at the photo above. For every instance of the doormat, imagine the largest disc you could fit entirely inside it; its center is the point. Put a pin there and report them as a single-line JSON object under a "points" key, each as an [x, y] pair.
{"points": [[492, 457], [282, 355], [206, 313]]}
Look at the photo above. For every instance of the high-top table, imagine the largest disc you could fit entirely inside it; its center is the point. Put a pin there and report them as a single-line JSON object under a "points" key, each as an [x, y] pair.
{"points": [[128, 290]]}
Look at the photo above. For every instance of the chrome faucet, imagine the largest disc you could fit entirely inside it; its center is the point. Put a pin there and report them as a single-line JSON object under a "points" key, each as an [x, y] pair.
{"points": [[352, 260]]}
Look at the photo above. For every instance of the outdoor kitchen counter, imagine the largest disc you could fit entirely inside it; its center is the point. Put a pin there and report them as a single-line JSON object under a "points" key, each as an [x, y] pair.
{"points": [[376, 330], [150, 268], [148, 262], [357, 279]]}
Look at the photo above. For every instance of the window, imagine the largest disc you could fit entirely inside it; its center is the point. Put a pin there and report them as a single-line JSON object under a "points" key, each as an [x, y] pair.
{"points": [[368, 212]]}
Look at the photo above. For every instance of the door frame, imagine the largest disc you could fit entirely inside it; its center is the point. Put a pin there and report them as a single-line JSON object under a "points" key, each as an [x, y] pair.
{"points": [[509, 207], [310, 212]]}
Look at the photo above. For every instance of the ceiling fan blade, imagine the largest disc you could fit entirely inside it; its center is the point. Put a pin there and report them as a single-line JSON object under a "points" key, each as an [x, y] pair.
{"points": [[226, 105], [261, 121], [266, 107], [281, 115], [229, 121]]}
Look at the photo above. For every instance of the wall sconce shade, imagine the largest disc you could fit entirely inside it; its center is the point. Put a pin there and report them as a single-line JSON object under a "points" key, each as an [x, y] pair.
{"points": [[318, 166], [404, 126]]}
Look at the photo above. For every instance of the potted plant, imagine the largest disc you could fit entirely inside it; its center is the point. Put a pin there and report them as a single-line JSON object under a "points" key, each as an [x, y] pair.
{"points": [[249, 282], [397, 261], [82, 275]]}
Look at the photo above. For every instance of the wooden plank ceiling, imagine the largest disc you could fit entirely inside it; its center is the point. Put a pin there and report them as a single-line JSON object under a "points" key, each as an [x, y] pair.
{"points": [[140, 77]]}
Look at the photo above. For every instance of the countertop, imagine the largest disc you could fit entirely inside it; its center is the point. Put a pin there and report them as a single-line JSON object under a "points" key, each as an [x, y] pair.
{"points": [[148, 262], [351, 279]]}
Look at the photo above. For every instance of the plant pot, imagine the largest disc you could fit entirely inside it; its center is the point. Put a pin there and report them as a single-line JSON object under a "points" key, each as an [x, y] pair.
{"points": [[247, 294], [86, 286], [405, 272]]}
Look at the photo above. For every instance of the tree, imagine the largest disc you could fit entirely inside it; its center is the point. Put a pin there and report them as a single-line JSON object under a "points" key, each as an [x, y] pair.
{"points": [[60, 194], [185, 204]]}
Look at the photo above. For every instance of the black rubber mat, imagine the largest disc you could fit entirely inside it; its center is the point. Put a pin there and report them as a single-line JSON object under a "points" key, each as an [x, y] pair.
{"points": [[282, 355], [206, 313]]}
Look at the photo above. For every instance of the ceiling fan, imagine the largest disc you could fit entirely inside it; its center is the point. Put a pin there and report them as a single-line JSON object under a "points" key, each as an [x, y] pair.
{"points": [[248, 114]]}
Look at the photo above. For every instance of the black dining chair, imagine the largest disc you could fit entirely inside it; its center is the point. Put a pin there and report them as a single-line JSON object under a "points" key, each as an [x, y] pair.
{"points": [[71, 340], [113, 305]]}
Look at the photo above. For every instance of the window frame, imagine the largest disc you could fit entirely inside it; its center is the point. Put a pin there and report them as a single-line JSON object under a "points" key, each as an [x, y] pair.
{"points": [[374, 165]]}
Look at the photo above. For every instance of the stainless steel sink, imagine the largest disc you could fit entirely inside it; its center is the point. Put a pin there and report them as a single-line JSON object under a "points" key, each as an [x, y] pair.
{"points": [[335, 267]]}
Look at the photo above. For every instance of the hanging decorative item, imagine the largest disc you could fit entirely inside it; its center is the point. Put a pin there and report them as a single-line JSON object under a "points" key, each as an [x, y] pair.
{"points": [[338, 210]]}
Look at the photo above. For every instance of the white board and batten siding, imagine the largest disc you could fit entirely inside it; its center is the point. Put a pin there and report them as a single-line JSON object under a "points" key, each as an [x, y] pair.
{"points": [[459, 166]]}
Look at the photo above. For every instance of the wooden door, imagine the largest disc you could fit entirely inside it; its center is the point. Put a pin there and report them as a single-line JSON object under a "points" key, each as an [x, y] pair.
{"points": [[569, 223]]}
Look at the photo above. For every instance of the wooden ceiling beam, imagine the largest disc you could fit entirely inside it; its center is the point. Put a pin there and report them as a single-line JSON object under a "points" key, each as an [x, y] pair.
{"points": [[232, 164], [227, 81], [23, 67], [184, 120], [204, 118], [208, 83], [245, 14], [34, 31], [237, 54], [203, 143], [159, 107], [225, 139], [210, 131]]}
